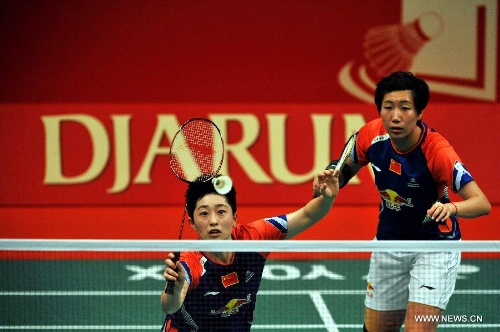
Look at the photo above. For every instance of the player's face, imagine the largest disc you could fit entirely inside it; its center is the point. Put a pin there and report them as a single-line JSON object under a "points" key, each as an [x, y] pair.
{"points": [[400, 117], [213, 218]]}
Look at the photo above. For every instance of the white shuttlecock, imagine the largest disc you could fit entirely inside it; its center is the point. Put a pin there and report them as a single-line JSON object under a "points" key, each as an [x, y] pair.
{"points": [[391, 48], [222, 184]]}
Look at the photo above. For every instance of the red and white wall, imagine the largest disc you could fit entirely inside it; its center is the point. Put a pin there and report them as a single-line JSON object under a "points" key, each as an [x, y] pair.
{"points": [[91, 92]]}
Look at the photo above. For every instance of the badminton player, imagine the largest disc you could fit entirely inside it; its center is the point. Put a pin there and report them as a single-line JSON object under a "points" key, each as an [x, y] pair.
{"points": [[414, 168], [216, 291]]}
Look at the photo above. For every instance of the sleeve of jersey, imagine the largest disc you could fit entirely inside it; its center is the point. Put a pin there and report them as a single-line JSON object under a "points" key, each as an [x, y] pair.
{"points": [[446, 165], [191, 262], [363, 142], [274, 228]]}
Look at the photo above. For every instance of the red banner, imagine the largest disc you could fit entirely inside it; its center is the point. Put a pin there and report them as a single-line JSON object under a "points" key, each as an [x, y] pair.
{"points": [[98, 154]]}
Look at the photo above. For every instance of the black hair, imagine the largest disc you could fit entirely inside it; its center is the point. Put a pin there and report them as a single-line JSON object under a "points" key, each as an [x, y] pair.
{"points": [[198, 190], [399, 81]]}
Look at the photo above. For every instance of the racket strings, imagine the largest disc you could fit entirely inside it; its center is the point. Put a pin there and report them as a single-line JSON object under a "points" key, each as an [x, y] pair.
{"points": [[197, 151]]}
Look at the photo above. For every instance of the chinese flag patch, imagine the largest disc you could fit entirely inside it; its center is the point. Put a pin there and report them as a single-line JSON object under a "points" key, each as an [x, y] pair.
{"points": [[230, 279], [395, 167]]}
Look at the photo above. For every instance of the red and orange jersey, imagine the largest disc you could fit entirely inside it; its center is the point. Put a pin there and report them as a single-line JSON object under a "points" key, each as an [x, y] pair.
{"points": [[410, 182]]}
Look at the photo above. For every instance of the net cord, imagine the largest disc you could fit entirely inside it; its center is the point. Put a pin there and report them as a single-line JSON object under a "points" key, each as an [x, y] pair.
{"points": [[100, 245]]}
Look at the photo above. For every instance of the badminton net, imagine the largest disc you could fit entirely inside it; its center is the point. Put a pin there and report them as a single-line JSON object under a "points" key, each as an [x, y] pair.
{"points": [[306, 285]]}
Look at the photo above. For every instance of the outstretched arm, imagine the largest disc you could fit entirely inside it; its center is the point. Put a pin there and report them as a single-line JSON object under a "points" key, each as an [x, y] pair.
{"points": [[317, 208]]}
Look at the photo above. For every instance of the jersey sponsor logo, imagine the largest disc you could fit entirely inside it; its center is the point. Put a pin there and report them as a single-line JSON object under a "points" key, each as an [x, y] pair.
{"points": [[203, 260], [395, 167], [230, 279], [413, 183], [380, 138], [369, 289], [428, 287], [211, 293], [393, 200], [231, 307], [249, 276]]}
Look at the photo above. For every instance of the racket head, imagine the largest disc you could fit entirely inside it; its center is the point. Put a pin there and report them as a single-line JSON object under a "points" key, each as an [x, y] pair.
{"points": [[197, 151], [346, 152]]}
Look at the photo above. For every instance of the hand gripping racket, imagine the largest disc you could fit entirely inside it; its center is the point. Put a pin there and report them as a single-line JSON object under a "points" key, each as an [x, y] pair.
{"points": [[196, 155]]}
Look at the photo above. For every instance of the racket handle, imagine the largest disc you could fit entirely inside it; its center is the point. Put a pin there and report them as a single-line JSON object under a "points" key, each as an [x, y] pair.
{"points": [[170, 284]]}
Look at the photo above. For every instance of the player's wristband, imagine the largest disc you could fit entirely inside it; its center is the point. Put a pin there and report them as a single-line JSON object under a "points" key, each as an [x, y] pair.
{"points": [[332, 164], [456, 209]]}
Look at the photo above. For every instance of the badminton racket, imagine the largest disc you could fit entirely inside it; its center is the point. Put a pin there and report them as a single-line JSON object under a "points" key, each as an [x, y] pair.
{"points": [[196, 155], [346, 152]]}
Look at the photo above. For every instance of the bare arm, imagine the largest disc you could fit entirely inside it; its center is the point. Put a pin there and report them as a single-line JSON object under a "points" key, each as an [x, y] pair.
{"points": [[317, 208], [474, 204], [170, 303]]}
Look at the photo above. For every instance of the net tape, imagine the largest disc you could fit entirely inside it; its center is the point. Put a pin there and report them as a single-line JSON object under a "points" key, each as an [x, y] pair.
{"points": [[247, 246]]}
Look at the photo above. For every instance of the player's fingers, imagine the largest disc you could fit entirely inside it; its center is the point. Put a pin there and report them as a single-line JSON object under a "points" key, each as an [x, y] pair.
{"points": [[322, 175], [325, 172], [315, 182], [433, 211], [326, 176], [330, 174], [170, 274], [441, 212], [322, 182], [170, 261], [181, 274], [175, 268]]}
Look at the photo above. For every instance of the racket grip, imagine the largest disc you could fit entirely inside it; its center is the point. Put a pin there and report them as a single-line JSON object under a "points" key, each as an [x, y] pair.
{"points": [[170, 284]]}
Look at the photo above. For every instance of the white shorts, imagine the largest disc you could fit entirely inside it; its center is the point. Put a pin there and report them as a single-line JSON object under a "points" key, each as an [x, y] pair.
{"points": [[421, 277]]}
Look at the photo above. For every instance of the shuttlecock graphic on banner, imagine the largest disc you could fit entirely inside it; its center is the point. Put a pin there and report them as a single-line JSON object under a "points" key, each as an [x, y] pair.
{"points": [[222, 184], [393, 47]]}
